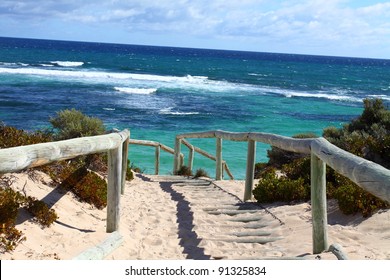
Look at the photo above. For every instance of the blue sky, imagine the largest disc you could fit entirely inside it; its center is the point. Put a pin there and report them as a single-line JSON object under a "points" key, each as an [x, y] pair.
{"points": [[323, 27]]}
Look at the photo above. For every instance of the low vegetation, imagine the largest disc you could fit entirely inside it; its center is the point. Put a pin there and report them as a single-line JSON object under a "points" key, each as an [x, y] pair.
{"points": [[10, 203], [84, 175], [286, 176], [72, 124], [186, 171], [201, 173]]}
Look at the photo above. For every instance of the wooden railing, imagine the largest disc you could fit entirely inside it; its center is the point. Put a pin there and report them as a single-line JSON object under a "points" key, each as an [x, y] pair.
{"points": [[158, 147], [192, 149], [115, 144], [372, 177]]}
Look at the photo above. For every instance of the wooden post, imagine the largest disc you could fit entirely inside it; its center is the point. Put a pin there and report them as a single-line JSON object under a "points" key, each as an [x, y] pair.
{"points": [[318, 205], [176, 159], [157, 160], [218, 171], [114, 188], [250, 169], [191, 158], [181, 160], [125, 151]]}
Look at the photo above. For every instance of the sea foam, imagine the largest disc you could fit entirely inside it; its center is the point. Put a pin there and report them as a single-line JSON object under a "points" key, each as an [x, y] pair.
{"points": [[68, 63], [134, 83], [168, 111], [136, 90]]}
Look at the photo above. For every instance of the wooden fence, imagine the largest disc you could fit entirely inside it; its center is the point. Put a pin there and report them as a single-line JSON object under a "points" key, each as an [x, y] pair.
{"points": [[372, 177], [192, 149], [115, 144]]}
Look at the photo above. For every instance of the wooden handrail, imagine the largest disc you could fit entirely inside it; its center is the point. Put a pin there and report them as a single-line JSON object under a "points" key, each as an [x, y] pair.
{"points": [[205, 154], [157, 146], [370, 176], [23, 157], [283, 142]]}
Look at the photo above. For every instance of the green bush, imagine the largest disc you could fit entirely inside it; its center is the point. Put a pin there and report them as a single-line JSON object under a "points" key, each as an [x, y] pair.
{"points": [[72, 124], [13, 137], [41, 212], [129, 172], [261, 168], [367, 136], [184, 171], [278, 157], [92, 189], [353, 199], [273, 188], [10, 203], [86, 185], [201, 173], [74, 175], [10, 237]]}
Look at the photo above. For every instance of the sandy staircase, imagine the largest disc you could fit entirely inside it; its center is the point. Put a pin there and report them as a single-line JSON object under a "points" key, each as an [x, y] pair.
{"points": [[215, 224]]}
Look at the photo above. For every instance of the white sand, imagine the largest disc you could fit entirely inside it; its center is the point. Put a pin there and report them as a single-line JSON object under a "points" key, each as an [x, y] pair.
{"points": [[168, 221]]}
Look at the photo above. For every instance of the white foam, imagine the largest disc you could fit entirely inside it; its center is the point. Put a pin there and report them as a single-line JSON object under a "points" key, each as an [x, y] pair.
{"points": [[380, 96], [109, 109], [68, 63], [133, 80], [168, 111], [136, 90], [103, 74], [133, 83], [330, 96], [13, 64]]}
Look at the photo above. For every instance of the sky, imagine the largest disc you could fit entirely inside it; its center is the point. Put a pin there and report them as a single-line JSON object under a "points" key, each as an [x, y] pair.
{"points": [[358, 28]]}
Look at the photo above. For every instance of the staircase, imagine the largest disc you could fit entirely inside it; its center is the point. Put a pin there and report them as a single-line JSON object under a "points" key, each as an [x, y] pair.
{"points": [[216, 224]]}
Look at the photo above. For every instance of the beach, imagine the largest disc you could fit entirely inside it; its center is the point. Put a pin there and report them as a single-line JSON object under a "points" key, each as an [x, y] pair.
{"points": [[172, 218]]}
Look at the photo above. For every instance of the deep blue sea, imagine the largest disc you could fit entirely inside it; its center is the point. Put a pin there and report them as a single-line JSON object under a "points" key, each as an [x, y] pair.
{"points": [[158, 92]]}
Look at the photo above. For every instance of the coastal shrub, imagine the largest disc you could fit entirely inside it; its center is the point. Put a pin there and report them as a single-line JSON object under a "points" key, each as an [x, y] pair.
{"points": [[201, 173], [92, 189], [184, 171], [299, 168], [278, 157], [260, 169], [273, 188], [10, 237], [73, 123], [41, 211], [129, 172], [353, 199], [13, 137], [86, 185], [136, 168], [10, 203], [367, 136]]}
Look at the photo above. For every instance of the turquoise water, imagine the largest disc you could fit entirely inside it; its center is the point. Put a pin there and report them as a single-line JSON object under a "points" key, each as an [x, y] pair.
{"points": [[158, 92]]}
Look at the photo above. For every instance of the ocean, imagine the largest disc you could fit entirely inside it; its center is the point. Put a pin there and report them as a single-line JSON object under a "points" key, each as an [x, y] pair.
{"points": [[158, 92]]}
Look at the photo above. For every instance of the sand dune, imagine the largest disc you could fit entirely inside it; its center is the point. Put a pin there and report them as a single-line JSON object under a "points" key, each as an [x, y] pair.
{"points": [[175, 218]]}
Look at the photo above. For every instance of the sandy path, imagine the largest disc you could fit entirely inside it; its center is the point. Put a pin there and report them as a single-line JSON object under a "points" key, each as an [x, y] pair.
{"points": [[165, 218]]}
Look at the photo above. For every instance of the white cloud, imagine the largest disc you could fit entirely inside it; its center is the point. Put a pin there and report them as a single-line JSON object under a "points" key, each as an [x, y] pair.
{"points": [[298, 23]]}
